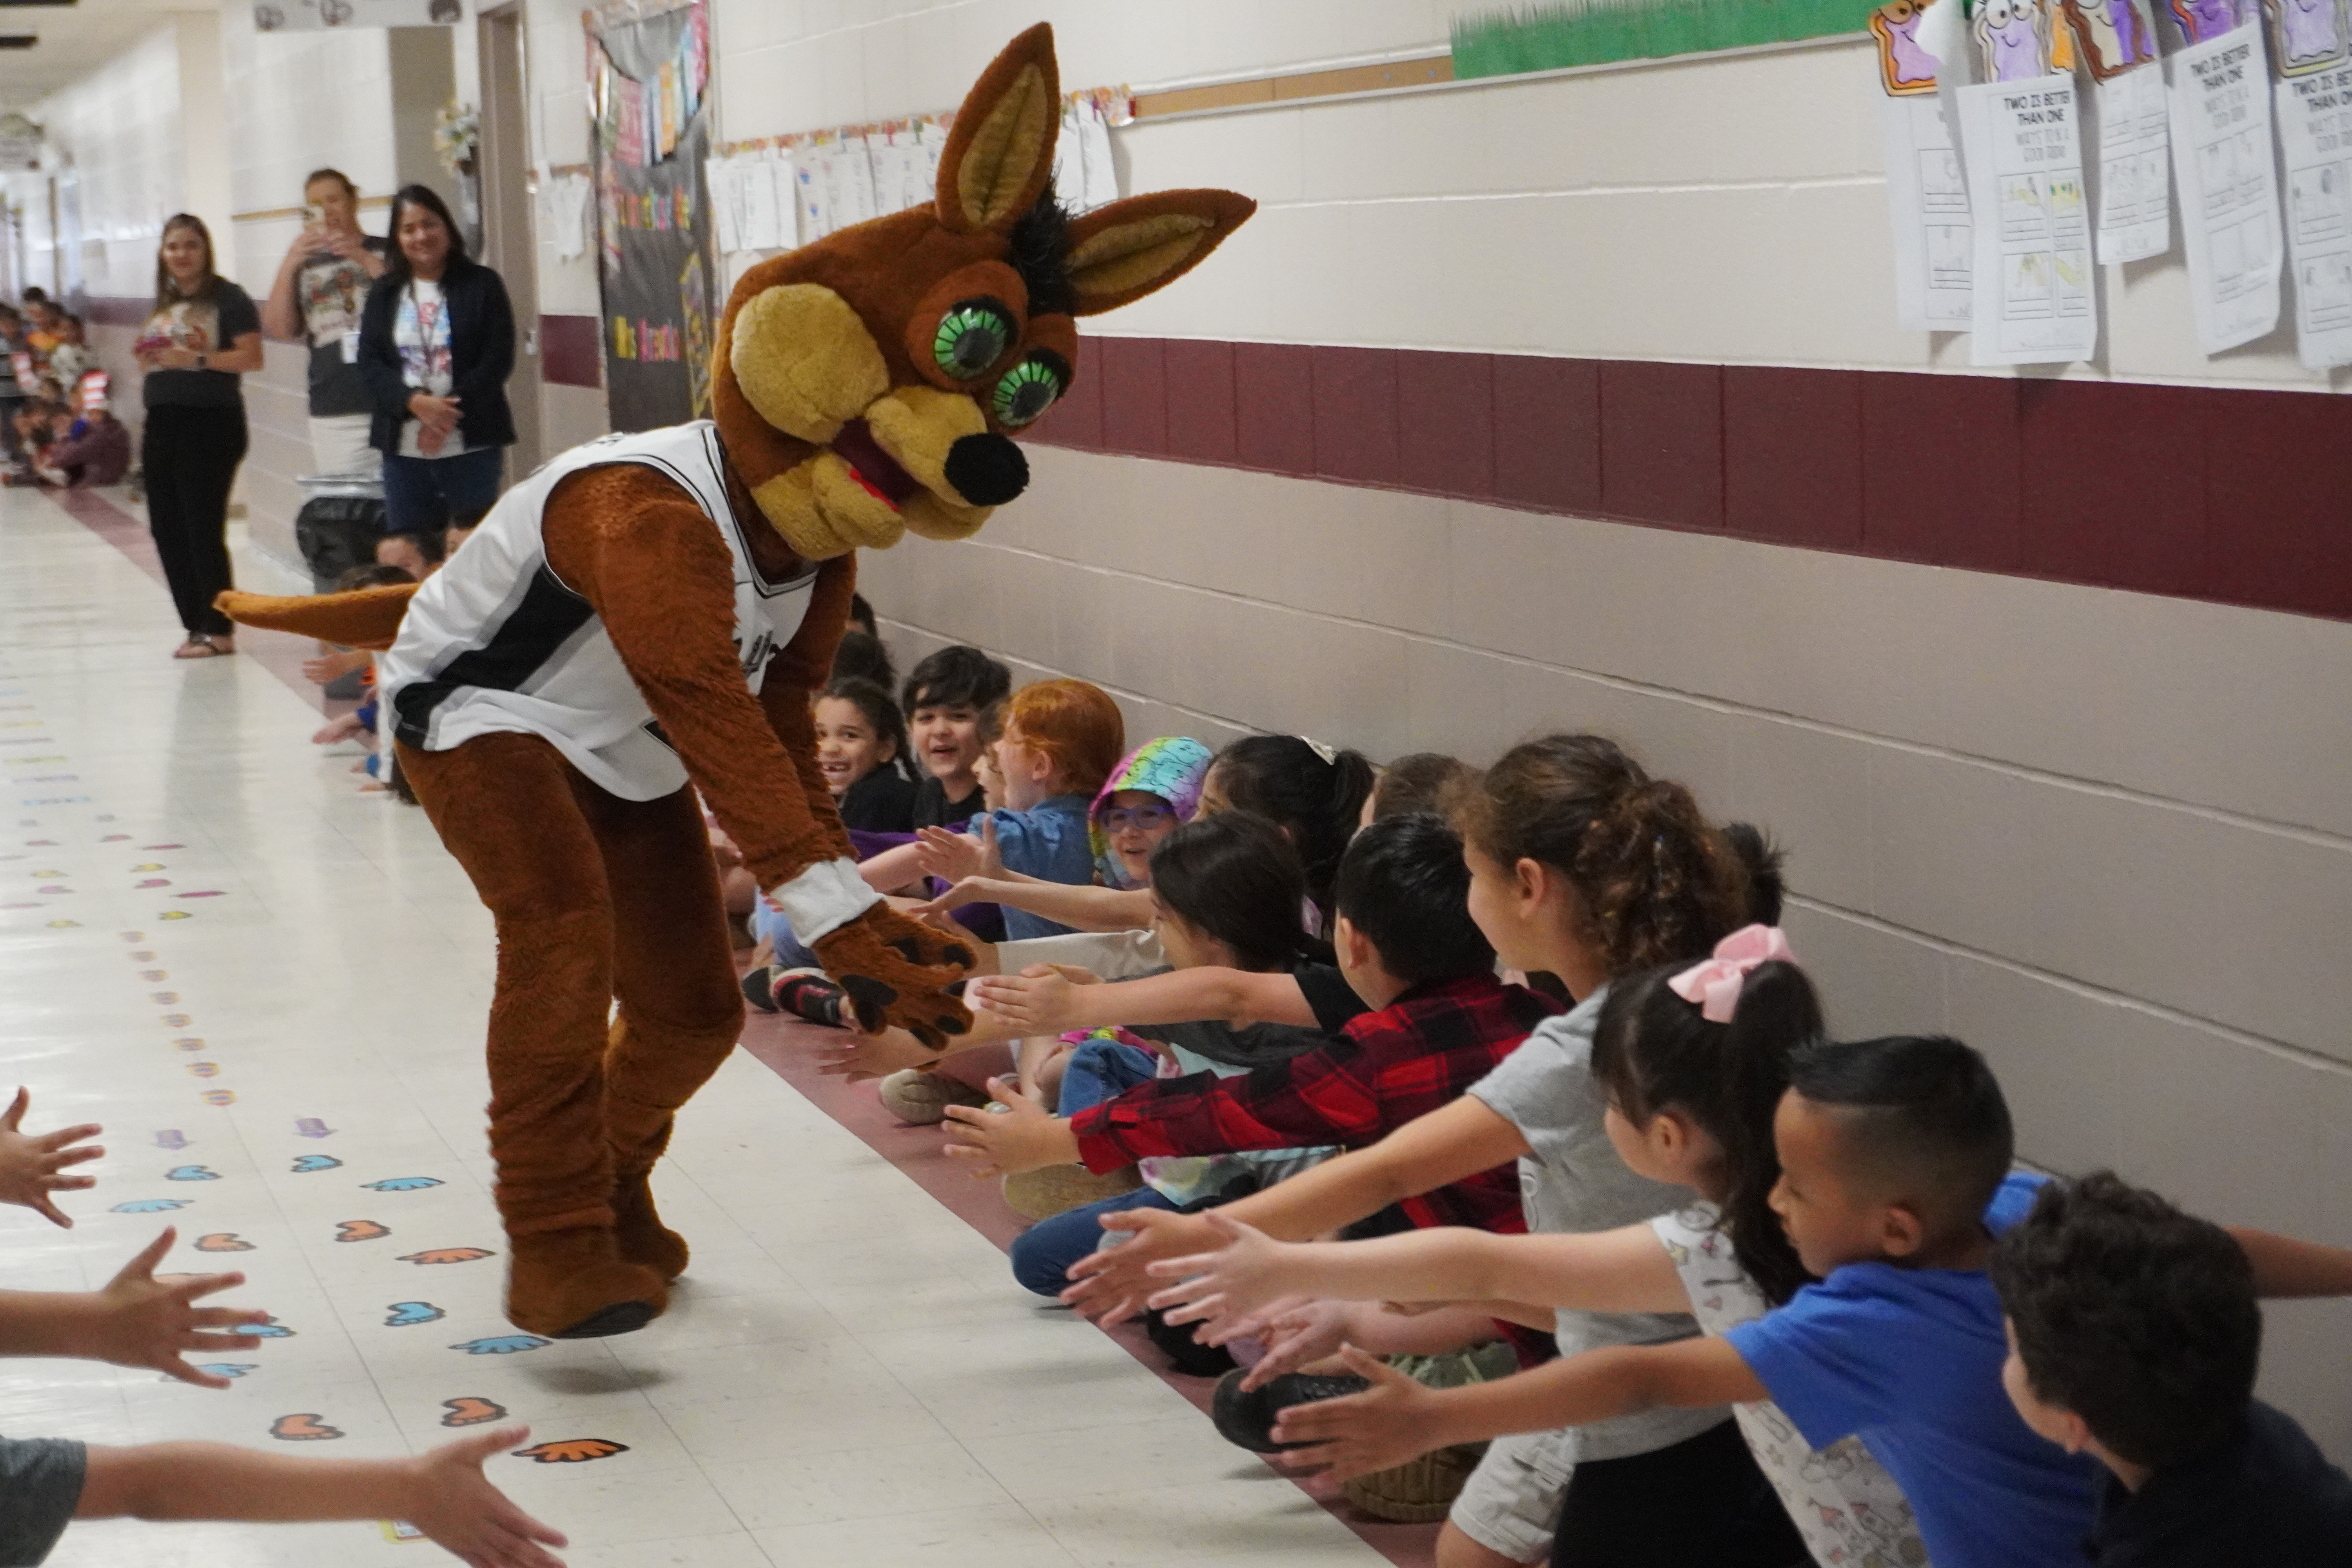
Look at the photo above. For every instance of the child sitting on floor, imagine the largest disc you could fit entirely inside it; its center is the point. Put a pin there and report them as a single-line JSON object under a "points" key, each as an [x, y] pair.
{"points": [[948, 700], [860, 737], [2134, 1336], [1692, 1062], [1894, 1158]]}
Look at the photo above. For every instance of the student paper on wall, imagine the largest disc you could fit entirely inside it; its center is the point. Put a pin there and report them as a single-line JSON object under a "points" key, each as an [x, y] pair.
{"points": [[2228, 178], [2127, 121], [1926, 200], [2315, 131], [2308, 36], [2033, 296]]}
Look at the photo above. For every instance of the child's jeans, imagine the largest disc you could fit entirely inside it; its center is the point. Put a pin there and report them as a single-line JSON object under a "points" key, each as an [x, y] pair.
{"points": [[1100, 1071], [1043, 1254]]}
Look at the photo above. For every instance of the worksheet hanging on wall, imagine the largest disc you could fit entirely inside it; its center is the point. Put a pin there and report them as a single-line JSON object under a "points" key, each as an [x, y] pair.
{"points": [[2125, 119], [2032, 294], [2311, 48], [2219, 82], [649, 71], [1925, 197]]}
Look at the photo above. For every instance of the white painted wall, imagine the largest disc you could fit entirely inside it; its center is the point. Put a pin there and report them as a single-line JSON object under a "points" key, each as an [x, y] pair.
{"points": [[119, 130]]}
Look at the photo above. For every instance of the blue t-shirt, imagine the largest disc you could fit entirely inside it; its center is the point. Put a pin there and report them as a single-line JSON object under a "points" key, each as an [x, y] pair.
{"points": [[1049, 842], [1910, 1359]]}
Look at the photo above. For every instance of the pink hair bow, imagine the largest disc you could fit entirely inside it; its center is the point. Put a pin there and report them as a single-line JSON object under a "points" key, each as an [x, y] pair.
{"points": [[1715, 983]]}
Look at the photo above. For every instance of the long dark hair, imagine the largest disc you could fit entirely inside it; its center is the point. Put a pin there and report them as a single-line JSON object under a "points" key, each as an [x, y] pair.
{"points": [[1317, 800], [873, 701], [1652, 1051], [395, 263], [1235, 878], [167, 293]]}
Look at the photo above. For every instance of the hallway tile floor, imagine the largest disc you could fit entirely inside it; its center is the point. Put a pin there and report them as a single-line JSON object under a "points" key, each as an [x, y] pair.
{"points": [[270, 988]]}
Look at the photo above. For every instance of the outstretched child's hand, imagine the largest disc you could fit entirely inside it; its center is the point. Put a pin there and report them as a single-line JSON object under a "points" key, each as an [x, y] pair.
{"points": [[1023, 1136], [952, 856], [1391, 1422], [29, 1164], [1037, 1001], [457, 1508], [140, 1320], [1247, 1273]]}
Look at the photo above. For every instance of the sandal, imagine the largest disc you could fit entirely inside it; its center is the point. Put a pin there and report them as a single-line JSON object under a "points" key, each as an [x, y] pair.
{"points": [[203, 645]]}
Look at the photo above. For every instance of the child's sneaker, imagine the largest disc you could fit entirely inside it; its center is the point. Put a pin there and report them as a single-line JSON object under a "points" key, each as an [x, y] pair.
{"points": [[759, 987], [1245, 1418], [921, 1098], [810, 995]]}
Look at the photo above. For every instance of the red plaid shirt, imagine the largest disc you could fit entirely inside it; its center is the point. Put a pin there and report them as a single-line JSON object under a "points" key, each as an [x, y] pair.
{"points": [[1421, 1051]]}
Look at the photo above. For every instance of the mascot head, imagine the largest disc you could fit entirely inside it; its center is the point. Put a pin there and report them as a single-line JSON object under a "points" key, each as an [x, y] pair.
{"points": [[872, 381]]}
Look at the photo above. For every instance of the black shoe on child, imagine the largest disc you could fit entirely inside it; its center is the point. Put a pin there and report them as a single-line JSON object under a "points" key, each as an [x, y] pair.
{"points": [[808, 993], [758, 987], [1175, 1341], [1246, 1418]]}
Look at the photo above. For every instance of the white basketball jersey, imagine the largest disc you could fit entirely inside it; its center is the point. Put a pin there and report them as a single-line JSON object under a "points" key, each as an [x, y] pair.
{"points": [[495, 642]]}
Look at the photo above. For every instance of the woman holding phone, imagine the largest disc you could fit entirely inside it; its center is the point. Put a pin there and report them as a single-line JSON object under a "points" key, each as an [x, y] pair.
{"points": [[203, 336], [321, 287], [436, 345]]}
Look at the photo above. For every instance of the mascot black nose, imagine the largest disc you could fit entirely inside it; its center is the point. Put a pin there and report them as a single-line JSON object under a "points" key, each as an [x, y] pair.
{"points": [[987, 470]]}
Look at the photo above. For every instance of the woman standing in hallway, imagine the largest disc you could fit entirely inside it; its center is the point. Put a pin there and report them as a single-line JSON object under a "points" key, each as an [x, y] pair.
{"points": [[204, 335], [436, 345], [321, 287]]}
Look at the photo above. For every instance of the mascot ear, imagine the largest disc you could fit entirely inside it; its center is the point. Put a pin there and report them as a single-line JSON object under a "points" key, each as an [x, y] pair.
{"points": [[999, 153], [1120, 252]]}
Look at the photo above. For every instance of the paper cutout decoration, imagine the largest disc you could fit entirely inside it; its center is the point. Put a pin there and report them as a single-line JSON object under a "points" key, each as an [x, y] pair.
{"points": [[1904, 67], [2012, 37], [2309, 36], [2202, 21], [2113, 35]]}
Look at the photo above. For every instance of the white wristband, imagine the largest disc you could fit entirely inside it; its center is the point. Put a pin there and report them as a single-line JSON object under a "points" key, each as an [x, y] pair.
{"points": [[825, 898]]}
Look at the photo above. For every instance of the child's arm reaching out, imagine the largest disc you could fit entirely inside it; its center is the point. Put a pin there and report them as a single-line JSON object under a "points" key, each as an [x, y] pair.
{"points": [[1624, 1270], [1397, 1418], [1042, 1001], [2285, 1267], [30, 1163], [442, 1493], [137, 1320]]}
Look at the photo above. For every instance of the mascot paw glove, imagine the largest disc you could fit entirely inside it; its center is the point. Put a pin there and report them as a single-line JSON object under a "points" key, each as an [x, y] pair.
{"points": [[895, 971]]}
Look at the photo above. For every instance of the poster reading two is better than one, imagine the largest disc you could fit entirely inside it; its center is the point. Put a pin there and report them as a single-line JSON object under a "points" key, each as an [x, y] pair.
{"points": [[2021, 144]]}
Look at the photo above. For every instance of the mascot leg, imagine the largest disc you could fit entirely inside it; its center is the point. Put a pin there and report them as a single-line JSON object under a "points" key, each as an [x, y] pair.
{"points": [[680, 1010], [518, 819]]}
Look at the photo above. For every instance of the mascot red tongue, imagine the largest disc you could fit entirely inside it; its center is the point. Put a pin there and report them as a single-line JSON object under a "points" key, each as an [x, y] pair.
{"points": [[647, 616]]}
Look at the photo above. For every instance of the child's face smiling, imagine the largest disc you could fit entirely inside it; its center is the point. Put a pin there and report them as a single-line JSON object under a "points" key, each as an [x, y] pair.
{"points": [[1828, 1222], [1135, 821], [849, 747], [946, 737]]}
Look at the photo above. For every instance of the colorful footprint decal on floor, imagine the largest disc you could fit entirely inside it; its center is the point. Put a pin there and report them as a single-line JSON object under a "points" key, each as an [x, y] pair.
{"points": [[361, 1231], [312, 1127], [151, 1206], [191, 1173], [408, 1314], [270, 1330], [402, 1184], [171, 1138], [231, 1369], [572, 1450], [447, 1254], [223, 1241], [305, 1163], [305, 1427], [472, 1410], [502, 1344]]}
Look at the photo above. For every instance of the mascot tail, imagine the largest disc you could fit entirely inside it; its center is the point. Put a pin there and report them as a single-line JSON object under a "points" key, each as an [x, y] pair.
{"points": [[369, 618]]}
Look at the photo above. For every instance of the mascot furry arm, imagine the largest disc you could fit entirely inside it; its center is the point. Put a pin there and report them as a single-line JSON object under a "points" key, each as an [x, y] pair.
{"points": [[867, 388]]}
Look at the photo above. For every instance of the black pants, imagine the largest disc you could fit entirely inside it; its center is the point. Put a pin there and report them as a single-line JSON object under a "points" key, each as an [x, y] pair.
{"points": [[1700, 1504], [190, 456]]}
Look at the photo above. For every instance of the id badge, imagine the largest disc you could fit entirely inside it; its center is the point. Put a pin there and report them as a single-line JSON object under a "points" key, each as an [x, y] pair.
{"points": [[351, 348]]}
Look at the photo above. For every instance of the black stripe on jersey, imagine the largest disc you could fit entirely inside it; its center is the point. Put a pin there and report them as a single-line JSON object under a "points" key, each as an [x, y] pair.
{"points": [[546, 617]]}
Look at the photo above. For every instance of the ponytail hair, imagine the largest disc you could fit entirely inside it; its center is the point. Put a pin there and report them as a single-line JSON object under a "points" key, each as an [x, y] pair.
{"points": [[1235, 878], [1652, 1051], [1313, 794], [1655, 883]]}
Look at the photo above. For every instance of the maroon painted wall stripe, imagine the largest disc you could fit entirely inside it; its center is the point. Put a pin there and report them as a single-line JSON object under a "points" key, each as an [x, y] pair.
{"points": [[2240, 497], [570, 350]]}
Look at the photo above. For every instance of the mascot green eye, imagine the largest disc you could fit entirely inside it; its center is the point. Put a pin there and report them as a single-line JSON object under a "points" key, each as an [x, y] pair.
{"points": [[972, 337], [1027, 390]]}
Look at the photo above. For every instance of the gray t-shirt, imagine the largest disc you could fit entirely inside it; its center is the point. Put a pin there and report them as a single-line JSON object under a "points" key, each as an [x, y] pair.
{"points": [[40, 1483], [1572, 1182]]}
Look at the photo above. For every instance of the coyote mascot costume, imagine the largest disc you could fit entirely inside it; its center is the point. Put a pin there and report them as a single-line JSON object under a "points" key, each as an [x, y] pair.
{"points": [[648, 614]]}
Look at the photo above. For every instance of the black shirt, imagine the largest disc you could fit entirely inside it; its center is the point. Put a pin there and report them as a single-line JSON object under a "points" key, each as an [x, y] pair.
{"points": [[881, 802], [2265, 1495], [332, 292], [934, 809], [210, 325]]}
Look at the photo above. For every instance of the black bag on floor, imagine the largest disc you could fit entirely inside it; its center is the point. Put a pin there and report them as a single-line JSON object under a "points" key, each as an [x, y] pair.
{"points": [[336, 533]]}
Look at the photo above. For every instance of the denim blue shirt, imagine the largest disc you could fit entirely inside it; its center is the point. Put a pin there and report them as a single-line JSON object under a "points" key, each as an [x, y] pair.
{"points": [[1048, 842]]}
